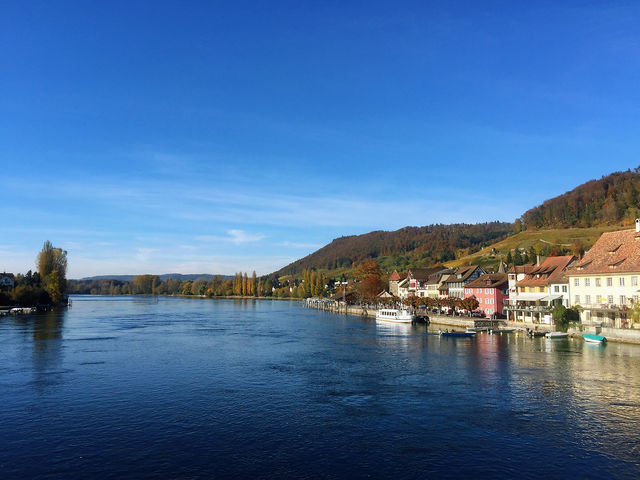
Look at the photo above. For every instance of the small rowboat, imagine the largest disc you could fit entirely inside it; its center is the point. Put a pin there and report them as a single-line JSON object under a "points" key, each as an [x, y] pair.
{"points": [[591, 338], [458, 334], [536, 334], [557, 335]]}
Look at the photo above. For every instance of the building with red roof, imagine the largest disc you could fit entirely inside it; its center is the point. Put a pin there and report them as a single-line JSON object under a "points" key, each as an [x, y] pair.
{"points": [[543, 286]]}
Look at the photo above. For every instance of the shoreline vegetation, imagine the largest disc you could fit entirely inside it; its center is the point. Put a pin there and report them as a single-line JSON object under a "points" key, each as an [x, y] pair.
{"points": [[312, 283], [42, 289]]}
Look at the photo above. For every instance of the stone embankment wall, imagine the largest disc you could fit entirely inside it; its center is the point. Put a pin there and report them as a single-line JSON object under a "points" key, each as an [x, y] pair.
{"points": [[622, 335], [370, 311]]}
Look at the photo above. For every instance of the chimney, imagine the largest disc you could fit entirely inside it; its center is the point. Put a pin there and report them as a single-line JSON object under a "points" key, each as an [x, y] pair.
{"points": [[637, 225], [540, 259]]}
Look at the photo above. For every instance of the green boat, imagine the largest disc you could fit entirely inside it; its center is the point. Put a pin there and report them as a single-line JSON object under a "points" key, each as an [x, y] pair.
{"points": [[591, 338]]}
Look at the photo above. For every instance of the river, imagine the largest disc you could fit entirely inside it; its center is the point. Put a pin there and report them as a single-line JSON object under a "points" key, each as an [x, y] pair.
{"points": [[127, 387]]}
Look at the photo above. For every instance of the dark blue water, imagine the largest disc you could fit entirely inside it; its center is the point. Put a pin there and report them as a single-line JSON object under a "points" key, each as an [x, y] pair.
{"points": [[139, 388]]}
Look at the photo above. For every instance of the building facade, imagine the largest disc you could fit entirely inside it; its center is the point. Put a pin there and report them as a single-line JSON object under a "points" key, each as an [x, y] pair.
{"points": [[490, 290], [455, 284], [605, 284], [535, 295]]}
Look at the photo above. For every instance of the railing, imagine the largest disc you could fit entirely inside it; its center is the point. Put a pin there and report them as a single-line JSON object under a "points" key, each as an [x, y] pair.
{"points": [[522, 308]]}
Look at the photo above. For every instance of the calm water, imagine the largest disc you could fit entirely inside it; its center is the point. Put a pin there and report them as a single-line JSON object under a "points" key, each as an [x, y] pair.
{"points": [[134, 388]]}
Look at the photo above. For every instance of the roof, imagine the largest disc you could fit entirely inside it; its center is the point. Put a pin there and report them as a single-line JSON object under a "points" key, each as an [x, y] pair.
{"points": [[403, 283], [438, 276], [522, 268], [461, 274], [550, 271], [422, 273], [395, 276], [490, 280], [617, 252]]}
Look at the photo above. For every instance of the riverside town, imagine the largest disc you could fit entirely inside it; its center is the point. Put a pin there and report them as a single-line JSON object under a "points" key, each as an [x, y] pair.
{"points": [[320, 240], [594, 294]]}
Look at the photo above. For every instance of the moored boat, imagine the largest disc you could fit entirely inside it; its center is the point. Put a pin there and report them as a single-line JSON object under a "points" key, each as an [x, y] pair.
{"points": [[498, 331], [592, 338], [478, 329], [557, 335], [535, 333], [394, 315], [457, 334]]}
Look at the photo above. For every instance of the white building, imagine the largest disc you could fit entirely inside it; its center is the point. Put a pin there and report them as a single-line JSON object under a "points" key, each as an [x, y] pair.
{"points": [[543, 287], [604, 284]]}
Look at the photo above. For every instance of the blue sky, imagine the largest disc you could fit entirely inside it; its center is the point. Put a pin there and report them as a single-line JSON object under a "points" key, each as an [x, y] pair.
{"points": [[155, 137]]}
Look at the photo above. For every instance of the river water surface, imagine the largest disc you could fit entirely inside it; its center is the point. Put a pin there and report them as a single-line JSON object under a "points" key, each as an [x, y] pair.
{"points": [[122, 387]]}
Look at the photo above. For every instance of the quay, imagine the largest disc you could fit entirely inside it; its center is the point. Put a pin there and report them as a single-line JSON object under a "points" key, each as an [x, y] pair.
{"points": [[618, 335], [364, 310]]}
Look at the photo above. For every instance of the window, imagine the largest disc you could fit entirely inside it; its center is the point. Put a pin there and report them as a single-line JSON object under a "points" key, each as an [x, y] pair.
{"points": [[634, 281], [556, 289], [635, 298], [587, 282], [576, 282], [621, 281], [587, 299], [623, 299], [598, 282], [609, 282], [564, 288], [577, 299], [609, 298]]}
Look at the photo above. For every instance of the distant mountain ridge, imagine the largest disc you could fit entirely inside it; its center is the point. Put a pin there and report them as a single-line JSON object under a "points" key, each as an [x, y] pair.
{"points": [[611, 202], [403, 248], [179, 276]]}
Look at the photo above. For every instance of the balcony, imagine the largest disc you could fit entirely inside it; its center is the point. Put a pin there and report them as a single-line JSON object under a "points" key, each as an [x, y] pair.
{"points": [[528, 308]]}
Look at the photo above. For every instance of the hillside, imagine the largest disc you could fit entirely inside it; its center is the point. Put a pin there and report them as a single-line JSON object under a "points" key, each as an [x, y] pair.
{"points": [[568, 223], [404, 248], [546, 242], [613, 199]]}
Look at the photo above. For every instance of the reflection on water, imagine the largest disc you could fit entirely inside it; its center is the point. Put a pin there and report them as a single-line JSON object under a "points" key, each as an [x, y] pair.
{"points": [[45, 333], [146, 387]]}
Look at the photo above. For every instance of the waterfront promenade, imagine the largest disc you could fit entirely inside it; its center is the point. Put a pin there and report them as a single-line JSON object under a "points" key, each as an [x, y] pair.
{"points": [[619, 335]]}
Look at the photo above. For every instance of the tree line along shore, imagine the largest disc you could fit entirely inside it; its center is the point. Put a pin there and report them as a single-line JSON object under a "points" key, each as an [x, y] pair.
{"points": [[43, 288]]}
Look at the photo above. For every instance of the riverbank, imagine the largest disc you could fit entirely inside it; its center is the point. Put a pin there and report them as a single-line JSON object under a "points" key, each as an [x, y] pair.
{"points": [[370, 311], [617, 335]]}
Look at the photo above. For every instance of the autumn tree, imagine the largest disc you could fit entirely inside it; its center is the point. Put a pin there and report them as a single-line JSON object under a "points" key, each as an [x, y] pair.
{"points": [[186, 287], [253, 285], [369, 279], [52, 265], [517, 226], [470, 303]]}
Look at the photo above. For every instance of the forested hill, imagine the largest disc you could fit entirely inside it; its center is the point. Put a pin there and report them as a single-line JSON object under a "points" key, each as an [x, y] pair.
{"points": [[404, 248], [613, 199]]}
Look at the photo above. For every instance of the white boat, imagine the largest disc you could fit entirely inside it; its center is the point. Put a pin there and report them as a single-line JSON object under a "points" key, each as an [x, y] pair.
{"points": [[394, 315], [557, 335], [498, 331], [478, 329]]}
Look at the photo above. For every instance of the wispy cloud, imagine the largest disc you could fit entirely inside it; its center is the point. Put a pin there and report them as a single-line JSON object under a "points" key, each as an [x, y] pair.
{"points": [[234, 236]]}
